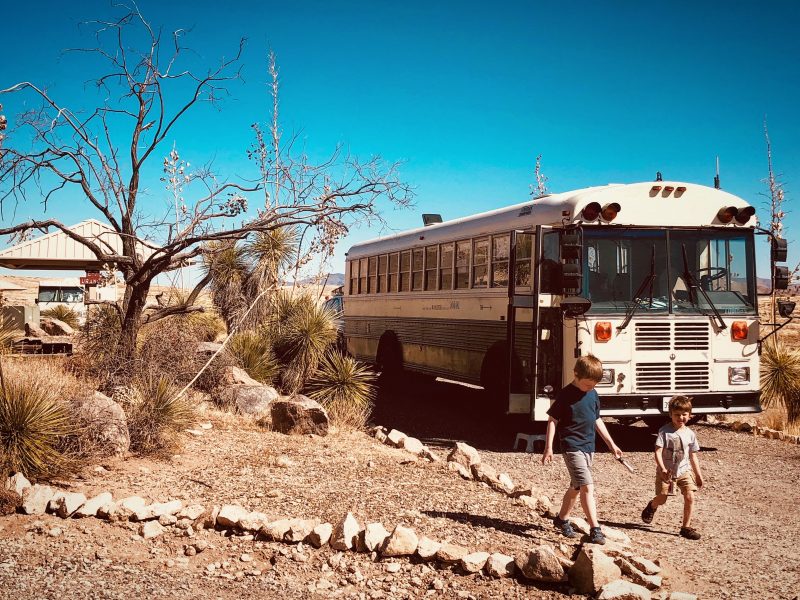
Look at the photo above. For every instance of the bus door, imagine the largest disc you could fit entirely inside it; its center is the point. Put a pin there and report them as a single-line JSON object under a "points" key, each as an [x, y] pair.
{"points": [[534, 329]]}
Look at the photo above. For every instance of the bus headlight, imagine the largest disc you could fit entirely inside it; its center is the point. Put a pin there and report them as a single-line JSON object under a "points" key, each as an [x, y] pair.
{"points": [[738, 375], [608, 377]]}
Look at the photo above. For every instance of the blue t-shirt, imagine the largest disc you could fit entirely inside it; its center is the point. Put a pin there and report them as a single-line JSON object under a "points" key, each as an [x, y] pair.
{"points": [[576, 412]]}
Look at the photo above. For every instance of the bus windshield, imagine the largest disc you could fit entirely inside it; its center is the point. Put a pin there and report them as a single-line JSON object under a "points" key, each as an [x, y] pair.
{"points": [[669, 271]]}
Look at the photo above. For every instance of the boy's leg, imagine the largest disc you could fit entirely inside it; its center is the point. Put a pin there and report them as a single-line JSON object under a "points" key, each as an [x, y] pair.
{"points": [[588, 504], [659, 500], [688, 507], [568, 503]]}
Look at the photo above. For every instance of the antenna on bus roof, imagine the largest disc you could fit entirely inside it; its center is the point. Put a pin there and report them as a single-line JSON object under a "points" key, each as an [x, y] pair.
{"points": [[716, 177], [658, 175]]}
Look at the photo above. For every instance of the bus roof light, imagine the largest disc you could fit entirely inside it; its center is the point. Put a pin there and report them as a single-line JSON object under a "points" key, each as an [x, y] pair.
{"points": [[610, 211], [591, 211], [743, 216], [727, 213], [602, 331], [739, 330]]}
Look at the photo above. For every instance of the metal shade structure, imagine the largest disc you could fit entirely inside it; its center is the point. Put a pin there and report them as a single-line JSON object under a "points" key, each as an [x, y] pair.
{"points": [[7, 286], [57, 251]]}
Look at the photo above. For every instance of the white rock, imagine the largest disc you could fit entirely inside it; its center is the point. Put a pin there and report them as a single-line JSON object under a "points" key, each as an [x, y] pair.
{"points": [[451, 553], [275, 530], [230, 514], [91, 506], [592, 570], [167, 520], [427, 548], [68, 503], [150, 530], [615, 535], [36, 498], [18, 483], [580, 525], [395, 438], [320, 535], [401, 542], [651, 582], [374, 536], [541, 564], [52, 506], [412, 445], [253, 521], [345, 533], [500, 565], [474, 561], [156, 510], [300, 529], [623, 590], [644, 565], [506, 483], [127, 506], [460, 469], [464, 454], [193, 512]]}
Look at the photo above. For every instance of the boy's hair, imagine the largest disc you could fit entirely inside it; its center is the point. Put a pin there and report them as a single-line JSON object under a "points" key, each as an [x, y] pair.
{"points": [[589, 367], [680, 403]]}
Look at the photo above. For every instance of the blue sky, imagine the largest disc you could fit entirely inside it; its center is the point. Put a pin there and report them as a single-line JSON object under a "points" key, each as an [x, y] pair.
{"points": [[467, 94]]}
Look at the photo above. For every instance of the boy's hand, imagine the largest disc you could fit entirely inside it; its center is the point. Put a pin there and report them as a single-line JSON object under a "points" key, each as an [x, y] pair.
{"points": [[616, 450], [698, 479], [547, 456], [665, 474]]}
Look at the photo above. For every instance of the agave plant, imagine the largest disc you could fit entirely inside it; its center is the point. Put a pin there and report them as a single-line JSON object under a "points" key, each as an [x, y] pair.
{"points": [[7, 333], [33, 424], [253, 352], [345, 387], [303, 331], [272, 253], [155, 413], [227, 267], [780, 379], [63, 313]]}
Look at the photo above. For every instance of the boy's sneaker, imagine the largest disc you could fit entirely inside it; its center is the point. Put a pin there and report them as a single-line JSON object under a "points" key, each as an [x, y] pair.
{"points": [[596, 536], [690, 533], [565, 526], [648, 513]]}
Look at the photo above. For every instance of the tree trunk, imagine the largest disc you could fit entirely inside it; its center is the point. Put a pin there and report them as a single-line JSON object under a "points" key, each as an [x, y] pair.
{"points": [[132, 308]]}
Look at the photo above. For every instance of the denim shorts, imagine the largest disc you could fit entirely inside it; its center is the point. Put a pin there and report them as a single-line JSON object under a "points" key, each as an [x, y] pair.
{"points": [[579, 465]]}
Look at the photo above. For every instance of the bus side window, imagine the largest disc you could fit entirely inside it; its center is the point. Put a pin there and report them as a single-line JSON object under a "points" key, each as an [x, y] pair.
{"points": [[500, 244], [373, 275], [405, 271], [480, 263], [523, 261], [362, 276], [382, 263], [394, 272], [417, 269], [431, 263], [446, 267], [550, 263], [462, 264], [353, 277]]}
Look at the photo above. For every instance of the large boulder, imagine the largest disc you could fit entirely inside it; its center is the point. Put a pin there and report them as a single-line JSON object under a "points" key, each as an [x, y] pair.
{"points": [[592, 570], [541, 564], [33, 330], [252, 400], [55, 327], [105, 421], [232, 375], [299, 415]]}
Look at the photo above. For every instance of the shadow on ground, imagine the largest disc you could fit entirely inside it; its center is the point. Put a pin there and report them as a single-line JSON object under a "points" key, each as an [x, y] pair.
{"points": [[440, 413]]}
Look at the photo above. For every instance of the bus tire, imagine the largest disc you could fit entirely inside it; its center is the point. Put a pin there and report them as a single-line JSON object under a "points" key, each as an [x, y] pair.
{"points": [[494, 378], [389, 357]]}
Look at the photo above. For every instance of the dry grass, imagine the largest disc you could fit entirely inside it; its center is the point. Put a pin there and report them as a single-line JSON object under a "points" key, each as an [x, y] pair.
{"points": [[346, 388]]}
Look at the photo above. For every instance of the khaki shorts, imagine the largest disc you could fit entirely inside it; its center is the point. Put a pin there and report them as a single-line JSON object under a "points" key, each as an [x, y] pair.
{"points": [[685, 483]]}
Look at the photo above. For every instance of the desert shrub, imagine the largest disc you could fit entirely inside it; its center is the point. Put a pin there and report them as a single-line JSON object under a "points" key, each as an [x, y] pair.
{"points": [[252, 352], [36, 431], [207, 325], [213, 375], [780, 380], [346, 388], [302, 331], [95, 352], [168, 347], [9, 502], [155, 413], [7, 334], [63, 313]]}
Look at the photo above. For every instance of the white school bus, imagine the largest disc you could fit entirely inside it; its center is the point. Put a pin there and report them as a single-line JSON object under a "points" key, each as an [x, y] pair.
{"points": [[656, 279]]}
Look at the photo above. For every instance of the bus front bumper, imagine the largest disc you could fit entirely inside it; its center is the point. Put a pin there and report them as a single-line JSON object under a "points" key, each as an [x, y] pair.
{"points": [[703, 403]]}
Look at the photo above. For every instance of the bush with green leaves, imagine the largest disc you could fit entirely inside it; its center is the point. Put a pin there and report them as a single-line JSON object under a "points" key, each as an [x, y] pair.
{"points": [[780, 380], [63, 313], [252, 351], [35, 423], [346, 388], [155, 413]]}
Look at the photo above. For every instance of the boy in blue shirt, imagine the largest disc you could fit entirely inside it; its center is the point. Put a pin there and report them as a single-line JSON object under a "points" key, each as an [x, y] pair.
{"points": [[575, 415]]}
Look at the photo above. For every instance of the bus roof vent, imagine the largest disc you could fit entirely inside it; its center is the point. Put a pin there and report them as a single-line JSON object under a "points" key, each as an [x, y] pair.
{"points": [[431, 219]]}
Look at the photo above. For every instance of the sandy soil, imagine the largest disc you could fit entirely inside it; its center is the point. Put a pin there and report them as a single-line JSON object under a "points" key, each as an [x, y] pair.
{"points": [[747, 513]]}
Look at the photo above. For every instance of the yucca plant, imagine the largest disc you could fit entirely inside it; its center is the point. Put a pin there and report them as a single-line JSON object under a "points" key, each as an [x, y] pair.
{"points": [[780, 380], [63, 313], [7, 333], [155, 413], [227, 267], [303, 331], [345, 387], [33, 425], [253, 352]]}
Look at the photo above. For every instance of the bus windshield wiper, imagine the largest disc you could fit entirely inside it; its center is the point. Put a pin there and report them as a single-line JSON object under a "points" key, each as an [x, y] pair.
{"points": [[647, 282], [692, 288]]}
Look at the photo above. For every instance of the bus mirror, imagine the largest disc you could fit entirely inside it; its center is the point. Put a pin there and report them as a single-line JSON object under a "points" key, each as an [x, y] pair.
{"points": [[786, 308], [591, 211], [743, 216], [780, 277], [778, 250], [571, 276], [727, 213], [571, 245], [575, 306], [610, 211]]}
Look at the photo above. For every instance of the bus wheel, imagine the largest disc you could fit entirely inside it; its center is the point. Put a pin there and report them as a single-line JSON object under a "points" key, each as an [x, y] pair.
{"points": [[389, 357], [494, 379]]}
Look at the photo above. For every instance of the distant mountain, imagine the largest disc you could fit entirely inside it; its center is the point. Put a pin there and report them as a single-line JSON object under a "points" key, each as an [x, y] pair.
{"points": [[334, 279]]}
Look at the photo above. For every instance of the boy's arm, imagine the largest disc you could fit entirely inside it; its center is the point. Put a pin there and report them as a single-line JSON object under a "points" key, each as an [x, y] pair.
{"points": [[662, 469], [694, 460], [548, 444], [601, 429]]}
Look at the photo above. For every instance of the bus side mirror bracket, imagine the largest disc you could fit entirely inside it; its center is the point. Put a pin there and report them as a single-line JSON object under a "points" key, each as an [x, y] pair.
{"points": [[785, 310]]}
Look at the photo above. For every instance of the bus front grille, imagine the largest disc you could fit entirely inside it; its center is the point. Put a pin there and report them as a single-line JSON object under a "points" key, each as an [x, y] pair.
{"points": [[666, 335], [686, 376]]}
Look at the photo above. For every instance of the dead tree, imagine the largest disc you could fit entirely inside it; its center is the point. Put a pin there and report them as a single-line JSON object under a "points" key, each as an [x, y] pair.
{"points": [[55, 151]]}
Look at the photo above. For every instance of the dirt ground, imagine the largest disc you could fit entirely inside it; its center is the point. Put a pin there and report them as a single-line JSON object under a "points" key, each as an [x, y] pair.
{"points": [[747, 513]]}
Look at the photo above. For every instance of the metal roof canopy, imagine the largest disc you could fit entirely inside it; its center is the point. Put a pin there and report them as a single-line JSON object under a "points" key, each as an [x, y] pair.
{"points": [[57, 251]]}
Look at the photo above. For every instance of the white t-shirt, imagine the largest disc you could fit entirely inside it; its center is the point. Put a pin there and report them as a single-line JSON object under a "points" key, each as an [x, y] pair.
{"points": [[677, 445]]}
